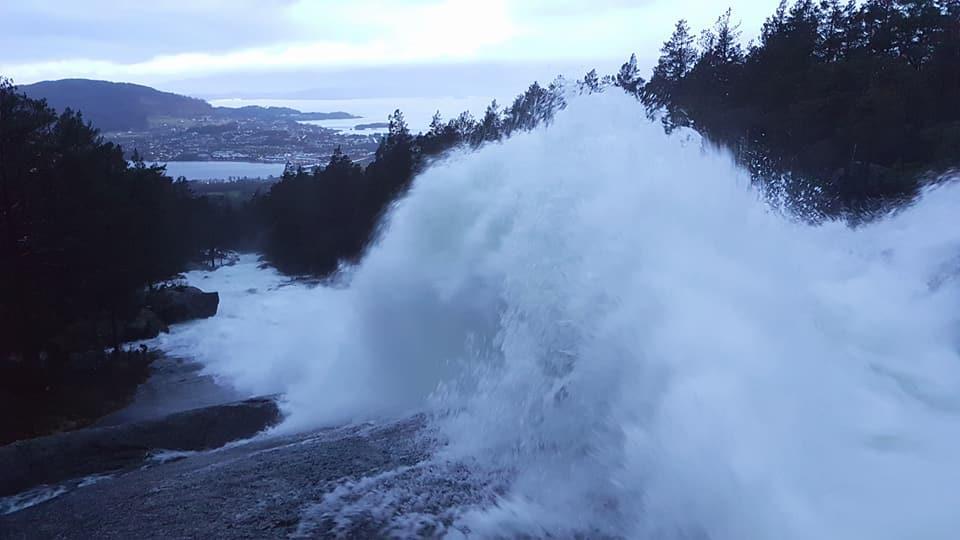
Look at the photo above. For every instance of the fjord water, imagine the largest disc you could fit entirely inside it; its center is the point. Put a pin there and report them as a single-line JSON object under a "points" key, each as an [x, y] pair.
{"points": [[222, 170], [614, 335]]}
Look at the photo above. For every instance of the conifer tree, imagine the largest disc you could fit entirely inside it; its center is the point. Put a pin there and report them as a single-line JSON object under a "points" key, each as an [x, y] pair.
{"points": [[628, 78], [677, 58], [590, 84]]}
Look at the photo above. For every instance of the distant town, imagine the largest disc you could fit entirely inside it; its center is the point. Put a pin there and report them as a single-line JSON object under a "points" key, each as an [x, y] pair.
{"points": [[263, 140]]}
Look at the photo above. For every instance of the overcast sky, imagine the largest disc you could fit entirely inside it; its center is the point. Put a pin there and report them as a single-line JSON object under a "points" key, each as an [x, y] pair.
{"points": [[199, 46]]}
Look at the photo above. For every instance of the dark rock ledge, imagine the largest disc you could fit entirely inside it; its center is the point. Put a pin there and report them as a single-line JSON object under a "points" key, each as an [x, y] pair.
{"points": [[66, 456]]}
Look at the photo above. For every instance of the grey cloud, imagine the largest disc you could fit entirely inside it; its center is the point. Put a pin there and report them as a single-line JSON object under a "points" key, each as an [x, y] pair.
{"points": [[421, 80], [33, 31], [566, 8]]}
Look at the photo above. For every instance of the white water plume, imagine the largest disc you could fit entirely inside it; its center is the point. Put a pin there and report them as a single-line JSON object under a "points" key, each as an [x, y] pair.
{"points": [[611, 324]]}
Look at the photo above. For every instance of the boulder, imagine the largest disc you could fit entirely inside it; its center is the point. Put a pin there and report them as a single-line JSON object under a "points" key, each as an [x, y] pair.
{"points": [[180, 304]]}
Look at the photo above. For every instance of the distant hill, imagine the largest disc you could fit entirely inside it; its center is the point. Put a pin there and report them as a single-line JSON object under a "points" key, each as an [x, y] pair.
{"points": [[278, 113], [116, 106]]}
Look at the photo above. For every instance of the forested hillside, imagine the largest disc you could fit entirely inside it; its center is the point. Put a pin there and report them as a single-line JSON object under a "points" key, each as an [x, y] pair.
{"points": [[82, 231], [83, 235], [852, 102], [116, 106]]}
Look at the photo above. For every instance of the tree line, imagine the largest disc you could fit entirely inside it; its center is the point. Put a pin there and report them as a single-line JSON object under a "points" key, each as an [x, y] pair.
{"points": [[839, 108]]}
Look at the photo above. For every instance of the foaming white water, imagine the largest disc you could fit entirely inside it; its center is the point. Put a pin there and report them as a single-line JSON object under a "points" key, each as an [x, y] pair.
{"points": [[613, 321]]}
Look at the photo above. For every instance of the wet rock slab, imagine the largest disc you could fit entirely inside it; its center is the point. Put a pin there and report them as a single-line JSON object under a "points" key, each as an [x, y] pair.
{"points": [[261, 489], [175, 385], [65, 456]]}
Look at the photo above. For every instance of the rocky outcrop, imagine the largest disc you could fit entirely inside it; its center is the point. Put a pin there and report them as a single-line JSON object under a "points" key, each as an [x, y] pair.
{"points": [[157, 310], [182, 303], [146, 325], [65, 456]]}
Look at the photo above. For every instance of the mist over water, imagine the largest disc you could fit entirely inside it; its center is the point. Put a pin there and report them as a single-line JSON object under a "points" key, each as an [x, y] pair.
{"points": [[615, 335]]}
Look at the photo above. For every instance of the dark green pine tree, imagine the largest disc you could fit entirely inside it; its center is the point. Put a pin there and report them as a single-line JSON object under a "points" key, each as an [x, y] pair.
{"points": [[678, 55], [590, 84], [834, 29], [629, 79], [491, 126]]}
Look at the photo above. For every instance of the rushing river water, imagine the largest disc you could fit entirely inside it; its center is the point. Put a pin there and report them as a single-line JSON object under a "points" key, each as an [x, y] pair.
{"points": [[613, 335]]}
